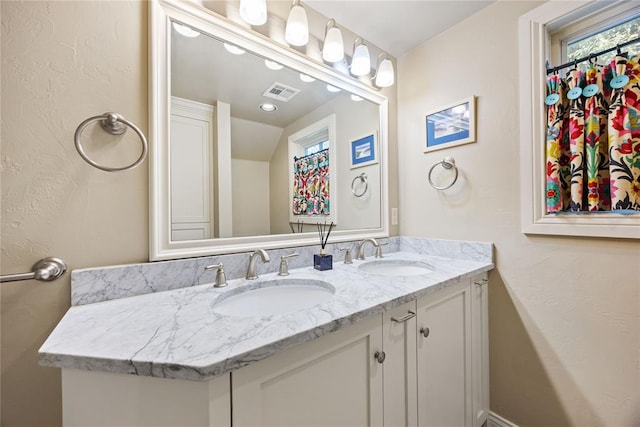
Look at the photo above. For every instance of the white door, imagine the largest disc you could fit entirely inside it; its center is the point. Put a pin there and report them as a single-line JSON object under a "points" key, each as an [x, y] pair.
{"points": [[191, 170], [444, 358], [332, 381]]}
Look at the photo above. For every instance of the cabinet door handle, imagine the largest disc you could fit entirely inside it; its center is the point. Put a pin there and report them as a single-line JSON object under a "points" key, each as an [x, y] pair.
{"points": [[482, 282], [424, 332], [404, 318], [380, 356]]}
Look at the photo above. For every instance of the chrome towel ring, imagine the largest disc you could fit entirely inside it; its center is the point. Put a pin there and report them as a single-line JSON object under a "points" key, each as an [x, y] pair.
{"points": [[447, 163], [114, 124], [363, 178]]}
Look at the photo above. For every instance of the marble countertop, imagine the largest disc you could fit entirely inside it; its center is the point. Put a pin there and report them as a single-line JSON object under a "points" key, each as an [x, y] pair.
{"points": [[176, 334]]}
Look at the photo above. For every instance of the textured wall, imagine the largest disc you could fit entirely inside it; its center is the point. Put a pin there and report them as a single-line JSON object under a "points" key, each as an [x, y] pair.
{"points": [[564, 312], [63, 62]]}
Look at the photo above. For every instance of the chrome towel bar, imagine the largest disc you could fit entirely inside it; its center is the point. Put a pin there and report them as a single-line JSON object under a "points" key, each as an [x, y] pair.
{"points": [[114, 124], [45, 270], [363, 179], [447, 163]]}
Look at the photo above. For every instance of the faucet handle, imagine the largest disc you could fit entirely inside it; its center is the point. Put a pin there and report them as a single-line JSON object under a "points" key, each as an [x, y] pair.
{"points": [[379, 249], [347, 255], [284, 268], [221, 278]]}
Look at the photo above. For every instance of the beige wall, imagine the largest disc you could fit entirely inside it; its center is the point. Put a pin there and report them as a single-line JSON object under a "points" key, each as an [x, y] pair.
{"points": [[63, 62], [564, 312], [250, 195]]}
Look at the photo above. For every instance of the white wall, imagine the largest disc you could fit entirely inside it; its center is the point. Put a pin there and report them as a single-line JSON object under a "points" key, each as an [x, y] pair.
{"points": [[564, 312], [250, 188]]}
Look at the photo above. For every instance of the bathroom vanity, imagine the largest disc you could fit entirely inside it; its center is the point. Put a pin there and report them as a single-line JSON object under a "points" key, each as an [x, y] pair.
{"points": [[384, 349]]}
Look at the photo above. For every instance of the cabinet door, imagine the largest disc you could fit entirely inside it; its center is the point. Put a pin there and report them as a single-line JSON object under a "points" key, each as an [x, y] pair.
{"points": [[480, 348], [334, 380], [400, 381], [444, 359]]}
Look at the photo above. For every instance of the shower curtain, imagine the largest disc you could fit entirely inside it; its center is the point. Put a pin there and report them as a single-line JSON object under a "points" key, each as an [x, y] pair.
{"points": [[311, 184], [593, 138]]}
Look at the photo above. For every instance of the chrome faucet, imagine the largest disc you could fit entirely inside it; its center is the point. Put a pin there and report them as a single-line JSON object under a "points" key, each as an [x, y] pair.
{"points": [[221, 278], [284, 268], [251, 270], [376, 245], [361, 246]]}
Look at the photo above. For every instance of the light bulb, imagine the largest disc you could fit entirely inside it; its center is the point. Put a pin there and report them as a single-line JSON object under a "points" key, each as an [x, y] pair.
{"points": [[268, 107], [307, 79], [272, 65], [331, 88], [356, 98], [253, 12], [361, 62], [234, 49], [333, 48], [385, 76], [297, 30], [185, 30]]}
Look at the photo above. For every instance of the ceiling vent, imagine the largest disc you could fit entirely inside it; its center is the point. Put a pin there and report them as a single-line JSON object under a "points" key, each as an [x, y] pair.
{"points": [[280, 92]]}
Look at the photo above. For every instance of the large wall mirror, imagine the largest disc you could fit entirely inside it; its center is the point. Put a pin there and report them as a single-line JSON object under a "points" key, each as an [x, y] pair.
{"points": [[254, 143]]}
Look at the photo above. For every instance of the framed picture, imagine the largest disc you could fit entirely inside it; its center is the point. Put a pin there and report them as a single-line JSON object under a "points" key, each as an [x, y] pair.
{"points": [[364, 151], [451, 125]]}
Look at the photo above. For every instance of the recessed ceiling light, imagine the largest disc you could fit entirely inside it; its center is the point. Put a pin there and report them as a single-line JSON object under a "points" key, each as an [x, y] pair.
{"points": [[185, 30], [234, 49], [268, 107], [272, 65], [356, 98], [331, 88], [306, 78]]}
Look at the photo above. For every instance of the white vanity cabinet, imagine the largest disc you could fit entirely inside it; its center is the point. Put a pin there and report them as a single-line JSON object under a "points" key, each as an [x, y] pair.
{"points": [[334, 380], [424, 363], [452, 355]]}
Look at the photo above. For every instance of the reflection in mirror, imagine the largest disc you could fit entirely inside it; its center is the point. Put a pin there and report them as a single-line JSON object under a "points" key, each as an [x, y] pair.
{"points": [[259, 149]]}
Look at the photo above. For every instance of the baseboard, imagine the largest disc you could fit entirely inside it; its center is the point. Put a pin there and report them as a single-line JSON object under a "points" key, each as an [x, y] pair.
{"points": [[496, 420]]}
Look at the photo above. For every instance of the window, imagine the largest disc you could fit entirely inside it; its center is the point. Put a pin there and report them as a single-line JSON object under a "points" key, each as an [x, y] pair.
{"points": [[315, 147], [542, 34], [605, 38]]}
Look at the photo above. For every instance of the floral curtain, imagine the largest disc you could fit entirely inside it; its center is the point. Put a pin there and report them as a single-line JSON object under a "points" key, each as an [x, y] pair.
{"points": [[593, 138], [311, 184]]}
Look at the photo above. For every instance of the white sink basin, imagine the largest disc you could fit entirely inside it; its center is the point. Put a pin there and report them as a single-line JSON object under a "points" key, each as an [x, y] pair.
{"points": [[395, 267], [273, 297]]}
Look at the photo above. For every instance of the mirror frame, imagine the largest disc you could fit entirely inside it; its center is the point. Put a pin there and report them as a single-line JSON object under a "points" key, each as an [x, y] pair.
{"points": [[160, 245]]}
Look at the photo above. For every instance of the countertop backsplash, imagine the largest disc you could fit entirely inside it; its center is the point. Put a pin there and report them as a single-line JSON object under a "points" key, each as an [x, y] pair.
{"points": [[94, 285]]}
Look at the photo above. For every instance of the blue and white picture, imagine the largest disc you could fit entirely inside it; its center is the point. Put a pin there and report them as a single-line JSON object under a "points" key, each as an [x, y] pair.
{"points": [[451, 125], [363, 151]]}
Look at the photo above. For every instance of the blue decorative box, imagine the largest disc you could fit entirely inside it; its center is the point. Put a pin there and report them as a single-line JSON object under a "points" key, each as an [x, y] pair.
{"points": [[323, 262]]}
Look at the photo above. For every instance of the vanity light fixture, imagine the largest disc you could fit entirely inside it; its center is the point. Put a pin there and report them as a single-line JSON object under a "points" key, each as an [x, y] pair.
{"points": [[296, 32], [385, 76], [332, 88], [307, 79], [234, 49], [361, 61], [356, 98], [185, 30], [333, 47], [268, 107], [272, 65], [253, 12]]}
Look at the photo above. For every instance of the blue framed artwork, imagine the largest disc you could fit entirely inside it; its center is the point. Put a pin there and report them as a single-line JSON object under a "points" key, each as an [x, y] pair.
{"points": [[451, 125], [364, 151]]}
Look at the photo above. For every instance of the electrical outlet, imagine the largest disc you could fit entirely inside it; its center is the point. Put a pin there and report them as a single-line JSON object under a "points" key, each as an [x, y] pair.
{"points": [[394, 216]]}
